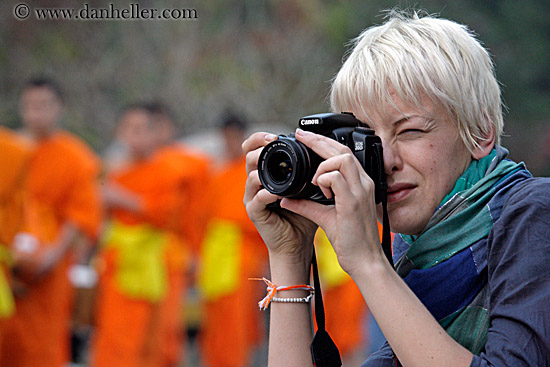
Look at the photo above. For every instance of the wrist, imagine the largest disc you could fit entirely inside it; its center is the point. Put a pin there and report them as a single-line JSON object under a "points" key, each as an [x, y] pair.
{"points": [[275, 291], [372, 270], [289, 270]]}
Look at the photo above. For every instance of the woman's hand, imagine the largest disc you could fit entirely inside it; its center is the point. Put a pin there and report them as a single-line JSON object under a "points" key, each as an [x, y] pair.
{"points": [[289, 239], [350, 224], [286, 234]]}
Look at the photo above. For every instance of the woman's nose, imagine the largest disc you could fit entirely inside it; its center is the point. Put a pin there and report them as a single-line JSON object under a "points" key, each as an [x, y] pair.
{"points": [[392, 157]]}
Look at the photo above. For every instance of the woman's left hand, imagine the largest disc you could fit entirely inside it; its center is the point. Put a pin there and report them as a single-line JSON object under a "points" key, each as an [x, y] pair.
{"points": [[350, 224]]}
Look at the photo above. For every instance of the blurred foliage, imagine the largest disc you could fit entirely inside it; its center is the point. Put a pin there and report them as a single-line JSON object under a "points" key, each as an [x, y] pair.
{"points": [[270, 59]]}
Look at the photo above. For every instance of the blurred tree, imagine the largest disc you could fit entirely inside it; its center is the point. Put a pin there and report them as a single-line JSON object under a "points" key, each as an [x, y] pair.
{"points": [[271, 59]]}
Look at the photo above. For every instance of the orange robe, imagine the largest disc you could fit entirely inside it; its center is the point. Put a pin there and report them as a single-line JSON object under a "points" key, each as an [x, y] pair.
{"points": [[191, 170], [232, 323], [130, 326], [14, 154], [13, 159], [60, 188]]}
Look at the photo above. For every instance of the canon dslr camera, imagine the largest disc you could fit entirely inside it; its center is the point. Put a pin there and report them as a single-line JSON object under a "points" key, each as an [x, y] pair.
{"points": [[286, 166]]}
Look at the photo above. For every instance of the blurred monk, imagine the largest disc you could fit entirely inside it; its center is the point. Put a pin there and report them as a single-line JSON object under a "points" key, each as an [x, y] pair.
{"points": [[61, 205], [187, 226], [232, 252], [14, 154], [143, 200]]}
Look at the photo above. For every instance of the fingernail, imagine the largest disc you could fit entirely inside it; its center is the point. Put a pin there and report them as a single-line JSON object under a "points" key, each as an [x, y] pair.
{"points": [[301, 132], [270, 137]]}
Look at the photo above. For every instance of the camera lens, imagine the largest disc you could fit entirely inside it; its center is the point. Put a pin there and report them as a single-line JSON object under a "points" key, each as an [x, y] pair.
{"points": [[280, 167], [286, 168]]}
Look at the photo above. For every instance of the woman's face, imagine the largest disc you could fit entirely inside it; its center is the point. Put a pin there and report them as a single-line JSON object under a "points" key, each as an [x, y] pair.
{"points": [[423, 158]]}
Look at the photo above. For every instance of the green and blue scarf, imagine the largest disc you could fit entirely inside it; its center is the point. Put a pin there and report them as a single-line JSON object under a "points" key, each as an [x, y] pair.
{"points": [[446, 264]]}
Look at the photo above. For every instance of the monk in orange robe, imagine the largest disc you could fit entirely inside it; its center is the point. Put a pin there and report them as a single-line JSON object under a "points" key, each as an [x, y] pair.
{"points": [[61, 204], [142, 197], [14, 154], [232, 252], [187, 225]]}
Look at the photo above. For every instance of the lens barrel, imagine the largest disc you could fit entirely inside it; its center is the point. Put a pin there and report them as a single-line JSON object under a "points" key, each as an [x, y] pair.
{"points": [[286, 168]]}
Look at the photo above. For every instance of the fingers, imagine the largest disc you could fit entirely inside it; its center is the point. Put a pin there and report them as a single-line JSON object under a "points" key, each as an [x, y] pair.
{"points": [[253, 146], [339, 177], [346, 163], [339, 158], [344, 175], [256, 197], [315, 212], [339, 174], [348, 196], [323, 146], [257, 140], [252, 187], [252, 160]]}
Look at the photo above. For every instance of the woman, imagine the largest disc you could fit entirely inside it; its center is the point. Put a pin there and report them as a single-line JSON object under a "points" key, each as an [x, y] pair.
{"points": [[472, 285]]}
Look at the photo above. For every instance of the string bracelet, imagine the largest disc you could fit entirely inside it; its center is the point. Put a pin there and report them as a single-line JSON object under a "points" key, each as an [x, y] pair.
{"points": [[272, 289]]}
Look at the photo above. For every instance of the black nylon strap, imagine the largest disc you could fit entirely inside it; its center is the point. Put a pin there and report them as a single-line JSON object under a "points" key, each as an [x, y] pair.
{"points": [[386, 235], [323, 350], [319, 307]]}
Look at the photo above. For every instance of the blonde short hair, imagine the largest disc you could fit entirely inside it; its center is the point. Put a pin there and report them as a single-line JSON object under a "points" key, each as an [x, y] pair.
{"points": [[422, 56]]}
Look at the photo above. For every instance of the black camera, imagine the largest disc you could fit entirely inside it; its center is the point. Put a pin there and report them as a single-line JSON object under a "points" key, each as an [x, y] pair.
{"points": [[286, 166]]}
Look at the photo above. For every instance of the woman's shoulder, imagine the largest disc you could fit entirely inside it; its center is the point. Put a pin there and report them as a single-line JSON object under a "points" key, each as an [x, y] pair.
{"points": [[532, 190], [520, 237], [526, 211], [518, 277]]}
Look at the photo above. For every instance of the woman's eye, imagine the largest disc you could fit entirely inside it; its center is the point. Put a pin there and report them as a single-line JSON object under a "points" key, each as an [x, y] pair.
{"points": [[411, 131]]}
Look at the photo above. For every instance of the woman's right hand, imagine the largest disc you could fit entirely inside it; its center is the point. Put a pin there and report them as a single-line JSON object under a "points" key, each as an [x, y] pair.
{"points": [[289, 240], [286, 234]]}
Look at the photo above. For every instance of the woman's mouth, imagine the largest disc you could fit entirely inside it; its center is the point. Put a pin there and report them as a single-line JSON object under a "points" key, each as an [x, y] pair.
{"points": [[399, 191]]}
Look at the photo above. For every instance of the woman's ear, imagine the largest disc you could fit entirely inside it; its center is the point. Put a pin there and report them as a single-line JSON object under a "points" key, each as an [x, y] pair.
{"points": [[485, 145]]}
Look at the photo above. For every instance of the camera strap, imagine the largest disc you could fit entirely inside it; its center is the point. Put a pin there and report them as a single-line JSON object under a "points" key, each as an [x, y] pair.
{"points": [[386, 235], [323, 350]]}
